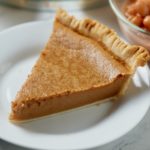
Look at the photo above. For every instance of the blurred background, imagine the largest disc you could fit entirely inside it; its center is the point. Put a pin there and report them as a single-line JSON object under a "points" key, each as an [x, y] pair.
{"points": [[13, 12]]}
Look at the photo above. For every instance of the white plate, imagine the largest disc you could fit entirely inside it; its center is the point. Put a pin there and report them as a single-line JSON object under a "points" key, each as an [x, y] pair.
{"points": [[85, 128]]}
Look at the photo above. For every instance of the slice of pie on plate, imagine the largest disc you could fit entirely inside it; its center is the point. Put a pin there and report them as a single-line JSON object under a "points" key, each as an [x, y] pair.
{"points": [[84, 62]]}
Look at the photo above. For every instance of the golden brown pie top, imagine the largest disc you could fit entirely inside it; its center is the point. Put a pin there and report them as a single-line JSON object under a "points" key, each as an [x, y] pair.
{"points": [[80, 55]]}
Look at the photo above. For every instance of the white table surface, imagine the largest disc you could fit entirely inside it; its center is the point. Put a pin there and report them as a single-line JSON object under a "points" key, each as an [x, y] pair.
{"points": [[139, 137]]}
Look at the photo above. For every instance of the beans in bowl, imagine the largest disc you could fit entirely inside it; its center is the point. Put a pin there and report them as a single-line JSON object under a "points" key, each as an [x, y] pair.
{"points": [[138, 12]]}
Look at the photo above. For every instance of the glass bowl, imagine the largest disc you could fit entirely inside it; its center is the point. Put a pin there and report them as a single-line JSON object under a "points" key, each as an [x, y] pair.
{"points": [[133, 33]]}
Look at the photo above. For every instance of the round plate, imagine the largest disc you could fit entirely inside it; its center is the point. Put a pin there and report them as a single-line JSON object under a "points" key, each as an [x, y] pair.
{"points": [[78, 129]]}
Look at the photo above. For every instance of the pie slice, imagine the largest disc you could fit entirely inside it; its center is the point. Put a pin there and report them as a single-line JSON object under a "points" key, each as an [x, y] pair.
{"points": [[84, 62]]}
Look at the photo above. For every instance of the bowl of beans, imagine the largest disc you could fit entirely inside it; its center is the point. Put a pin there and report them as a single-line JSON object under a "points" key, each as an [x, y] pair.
{"points": [[134, 20]]}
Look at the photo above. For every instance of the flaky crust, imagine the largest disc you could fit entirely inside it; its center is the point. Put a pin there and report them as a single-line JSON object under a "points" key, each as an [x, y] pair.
{"points": [[132, 55]]}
